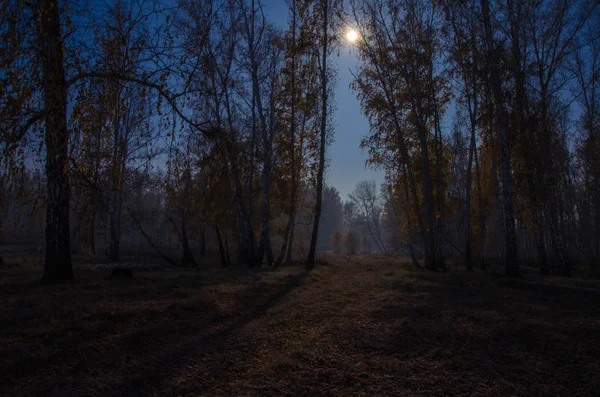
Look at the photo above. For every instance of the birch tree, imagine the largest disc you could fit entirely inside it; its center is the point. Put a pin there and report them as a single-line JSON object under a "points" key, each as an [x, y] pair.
{"points": [[326, 14]]}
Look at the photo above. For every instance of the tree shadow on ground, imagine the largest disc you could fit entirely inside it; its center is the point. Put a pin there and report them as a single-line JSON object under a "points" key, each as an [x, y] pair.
{"points": [[159, 370], [139, 347], [352, 328]]}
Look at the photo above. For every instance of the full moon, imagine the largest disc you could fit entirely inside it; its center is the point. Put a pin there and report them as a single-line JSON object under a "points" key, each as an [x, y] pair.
{"points": [[352, 35]]}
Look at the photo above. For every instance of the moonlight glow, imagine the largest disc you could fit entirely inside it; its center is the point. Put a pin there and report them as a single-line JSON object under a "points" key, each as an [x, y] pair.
{"points": [[352, 35]]}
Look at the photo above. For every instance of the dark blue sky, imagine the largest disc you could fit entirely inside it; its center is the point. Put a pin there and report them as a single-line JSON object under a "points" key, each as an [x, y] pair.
{"points": [[346, 158]]}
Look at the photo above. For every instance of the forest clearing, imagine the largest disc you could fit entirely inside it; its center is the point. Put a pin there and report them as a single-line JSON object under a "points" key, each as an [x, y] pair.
{"points": [[355, 325], [299, 198]]}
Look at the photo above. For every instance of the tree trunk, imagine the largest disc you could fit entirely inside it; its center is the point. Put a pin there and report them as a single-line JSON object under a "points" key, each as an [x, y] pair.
{"points": [[94, 209], [227, 250], [115, 228], [116, 184], [468, 258], [247, 244], [596, 241], [93, 231], [411, 248], [512, 264], [472, 101], [203, 241], [429, 209], [147, 237], [439, 236], [291, 216], [522, 101], [188, 257], [224, 262], [310, 262], [557, 244], [290, 248], [540, 244], [203, 236], [538, 229], [482, 227], [250, 181], [58, 264], [265, 237], [428, 203], [286, 237], [411, 184]]}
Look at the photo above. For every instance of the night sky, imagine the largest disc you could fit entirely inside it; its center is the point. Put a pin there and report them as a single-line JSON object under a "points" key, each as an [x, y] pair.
{"points": [[346, 158]]}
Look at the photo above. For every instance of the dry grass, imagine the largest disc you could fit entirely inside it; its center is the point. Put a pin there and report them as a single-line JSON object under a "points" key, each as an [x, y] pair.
{"points": [[361, 325]]}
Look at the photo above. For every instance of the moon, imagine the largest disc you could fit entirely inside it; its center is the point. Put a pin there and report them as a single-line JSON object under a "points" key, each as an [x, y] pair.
{"points": [[352, 35]]}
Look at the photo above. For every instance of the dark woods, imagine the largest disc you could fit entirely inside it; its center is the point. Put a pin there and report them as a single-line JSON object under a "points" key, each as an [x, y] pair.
{"points": [[203, 125], [513, 177]]}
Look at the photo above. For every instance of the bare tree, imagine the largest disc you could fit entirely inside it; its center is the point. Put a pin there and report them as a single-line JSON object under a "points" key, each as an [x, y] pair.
{"points": [[367, 200]]}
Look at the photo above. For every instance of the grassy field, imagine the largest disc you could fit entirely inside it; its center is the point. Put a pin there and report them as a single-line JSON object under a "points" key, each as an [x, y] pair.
{"points": [[355, 326]]}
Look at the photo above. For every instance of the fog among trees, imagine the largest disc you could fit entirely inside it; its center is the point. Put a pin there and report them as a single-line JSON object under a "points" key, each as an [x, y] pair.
{"points": [[176, 219], [184, 128]]}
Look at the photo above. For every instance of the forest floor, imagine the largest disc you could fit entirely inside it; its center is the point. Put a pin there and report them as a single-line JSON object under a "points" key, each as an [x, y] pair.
{"points": [[354, 326]]}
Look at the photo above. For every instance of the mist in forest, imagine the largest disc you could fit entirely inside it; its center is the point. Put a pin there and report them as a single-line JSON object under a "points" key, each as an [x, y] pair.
{"points": [[299, 197], [182, 128]]}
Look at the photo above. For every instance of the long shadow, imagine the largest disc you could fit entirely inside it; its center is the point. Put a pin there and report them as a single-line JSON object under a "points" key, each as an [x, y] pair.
{"points": [[85, 291], [97, 343], [155, 370]]}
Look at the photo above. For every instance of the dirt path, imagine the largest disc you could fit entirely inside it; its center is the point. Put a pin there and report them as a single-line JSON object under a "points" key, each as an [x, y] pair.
{"points": [[355, 327]]}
